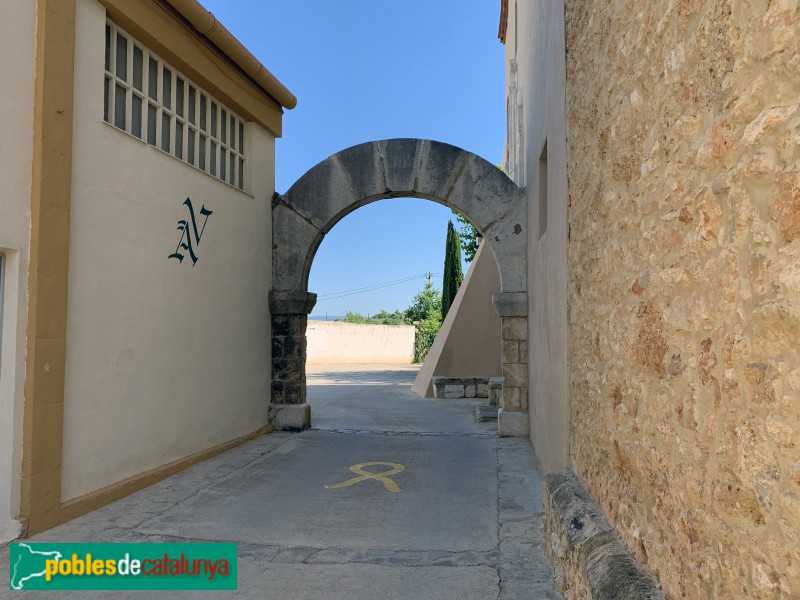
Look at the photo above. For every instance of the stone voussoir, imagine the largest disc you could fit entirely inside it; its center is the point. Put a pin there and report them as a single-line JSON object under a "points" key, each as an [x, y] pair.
{"points": [[322, 193], [362, 168], [585, 549], [438, 166]]}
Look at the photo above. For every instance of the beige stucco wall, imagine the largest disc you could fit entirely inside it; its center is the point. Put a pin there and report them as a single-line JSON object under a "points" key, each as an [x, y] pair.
{"points": [[535, 39], [468, 343], [684, 285], [164, 359], [17, 63], [330, 342]]}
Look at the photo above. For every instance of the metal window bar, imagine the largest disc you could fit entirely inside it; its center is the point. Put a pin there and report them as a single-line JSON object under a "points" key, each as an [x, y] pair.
{"points": [[190, 125]]}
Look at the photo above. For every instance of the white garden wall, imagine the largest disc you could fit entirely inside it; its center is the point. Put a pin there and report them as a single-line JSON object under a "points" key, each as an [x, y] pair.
{"points": [[331, 342]]}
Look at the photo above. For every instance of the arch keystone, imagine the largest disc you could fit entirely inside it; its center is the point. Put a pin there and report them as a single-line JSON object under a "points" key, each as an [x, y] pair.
{"points": [[402, 157]]}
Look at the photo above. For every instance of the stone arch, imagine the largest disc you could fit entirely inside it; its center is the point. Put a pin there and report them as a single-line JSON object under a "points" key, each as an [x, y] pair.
{"points": [[374, 171]]}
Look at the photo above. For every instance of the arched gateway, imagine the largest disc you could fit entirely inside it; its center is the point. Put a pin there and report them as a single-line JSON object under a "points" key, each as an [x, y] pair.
{"points": [[391, 169]]}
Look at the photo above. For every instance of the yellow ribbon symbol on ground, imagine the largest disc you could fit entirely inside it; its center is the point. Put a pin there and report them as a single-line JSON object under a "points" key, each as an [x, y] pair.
{"points": [[383, 477]]}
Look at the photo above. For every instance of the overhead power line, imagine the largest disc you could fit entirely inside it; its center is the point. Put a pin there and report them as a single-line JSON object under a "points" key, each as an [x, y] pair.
{"points": [[374, 287]]}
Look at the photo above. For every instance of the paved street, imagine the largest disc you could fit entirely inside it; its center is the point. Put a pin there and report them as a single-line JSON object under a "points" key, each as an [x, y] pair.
{"points": [[455, 515]]}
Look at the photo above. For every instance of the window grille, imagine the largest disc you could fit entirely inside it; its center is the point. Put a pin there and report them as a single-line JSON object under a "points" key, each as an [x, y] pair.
{"points": [[147, 98]]}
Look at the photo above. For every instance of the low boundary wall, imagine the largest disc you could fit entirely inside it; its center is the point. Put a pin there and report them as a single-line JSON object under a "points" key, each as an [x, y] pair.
{"points": [[332, 342]]}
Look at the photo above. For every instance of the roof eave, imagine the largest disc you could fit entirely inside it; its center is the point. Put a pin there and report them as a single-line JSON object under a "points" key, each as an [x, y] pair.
{"points": [[207, 24]]}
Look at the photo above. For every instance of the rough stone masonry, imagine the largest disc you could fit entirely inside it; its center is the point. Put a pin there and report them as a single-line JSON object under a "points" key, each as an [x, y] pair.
{"points": [[684, 285]]}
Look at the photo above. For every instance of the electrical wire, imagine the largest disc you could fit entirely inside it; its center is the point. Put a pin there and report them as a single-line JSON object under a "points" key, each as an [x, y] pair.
{"points": [[368, 287], [377, 286]]}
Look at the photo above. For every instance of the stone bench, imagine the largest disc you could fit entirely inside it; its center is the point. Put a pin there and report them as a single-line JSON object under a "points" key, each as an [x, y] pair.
{"points": [[461, 387]]}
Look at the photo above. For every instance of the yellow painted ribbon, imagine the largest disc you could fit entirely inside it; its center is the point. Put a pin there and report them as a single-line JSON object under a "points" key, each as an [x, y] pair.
{"points": [[365, 475]]}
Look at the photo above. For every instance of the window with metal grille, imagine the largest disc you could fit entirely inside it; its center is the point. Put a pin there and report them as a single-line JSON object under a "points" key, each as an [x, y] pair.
{"points": [[147, 98]]}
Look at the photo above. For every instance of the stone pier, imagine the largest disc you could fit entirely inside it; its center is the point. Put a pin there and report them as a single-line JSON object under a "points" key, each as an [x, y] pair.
{"points": [[512, 418], [289, 410]]}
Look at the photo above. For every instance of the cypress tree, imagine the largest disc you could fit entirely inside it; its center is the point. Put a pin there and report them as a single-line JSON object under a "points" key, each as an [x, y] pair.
{"points": [[453, 275]]}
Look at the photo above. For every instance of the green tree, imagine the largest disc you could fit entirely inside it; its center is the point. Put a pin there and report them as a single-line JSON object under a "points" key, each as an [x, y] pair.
{"points": [[398, 317], [424, 337], [426, 312], [352, 317], [453, 275], [387, 318], [426, 304], [468, 236]]}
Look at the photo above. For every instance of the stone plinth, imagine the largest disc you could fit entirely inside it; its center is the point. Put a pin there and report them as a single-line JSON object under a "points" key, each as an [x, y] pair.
{"points": [[512, 423]]}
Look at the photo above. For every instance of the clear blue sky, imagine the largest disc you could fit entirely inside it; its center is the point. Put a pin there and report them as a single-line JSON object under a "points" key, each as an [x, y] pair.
{"points": [[365, 70]]}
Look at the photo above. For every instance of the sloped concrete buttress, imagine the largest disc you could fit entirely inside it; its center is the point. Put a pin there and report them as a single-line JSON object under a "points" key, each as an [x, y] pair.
{"points": [[374, 171], [468, 343]]}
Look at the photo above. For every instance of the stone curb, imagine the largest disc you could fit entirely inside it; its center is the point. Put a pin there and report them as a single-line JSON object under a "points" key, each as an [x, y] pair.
{"points": [[591, 561]]}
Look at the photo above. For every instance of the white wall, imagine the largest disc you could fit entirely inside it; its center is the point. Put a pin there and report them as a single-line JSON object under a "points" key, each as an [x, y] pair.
{"points": [[331, 343], [17, 64], [164, 359], [535, 37]]}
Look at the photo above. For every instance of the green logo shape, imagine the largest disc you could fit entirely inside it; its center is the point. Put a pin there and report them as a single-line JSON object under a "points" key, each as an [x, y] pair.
{"points": [[108, 566]]}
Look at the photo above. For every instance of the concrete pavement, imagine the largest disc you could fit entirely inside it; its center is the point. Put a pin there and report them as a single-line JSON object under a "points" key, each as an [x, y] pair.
{"points": [[460, 520]]}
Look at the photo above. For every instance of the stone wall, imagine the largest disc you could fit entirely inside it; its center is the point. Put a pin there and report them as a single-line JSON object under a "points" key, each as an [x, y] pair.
{"points": [[683, 144]]}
